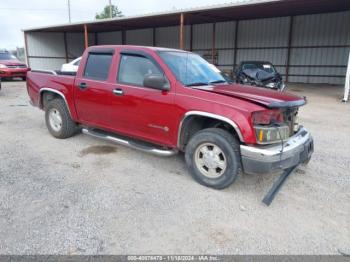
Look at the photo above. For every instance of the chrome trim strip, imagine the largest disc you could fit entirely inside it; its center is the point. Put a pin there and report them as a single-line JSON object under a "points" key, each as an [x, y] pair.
{"points": [[52, 72], [210, 115], [293, 145], [131, 144], [56, 92]]}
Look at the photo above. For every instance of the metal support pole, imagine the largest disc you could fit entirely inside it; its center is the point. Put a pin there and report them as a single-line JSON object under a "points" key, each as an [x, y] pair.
{"points": [[213, 45], [123, 37], [347, 82], [191, 37], [182, 37], [290, 39], [235, 48], [69, 17], [86, 37], [110, 8], [26, 49], [96, 38], [154, 36], [65, 46]]}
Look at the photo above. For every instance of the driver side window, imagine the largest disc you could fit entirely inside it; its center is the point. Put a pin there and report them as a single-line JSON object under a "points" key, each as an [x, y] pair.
{"points": [[134, 68]]}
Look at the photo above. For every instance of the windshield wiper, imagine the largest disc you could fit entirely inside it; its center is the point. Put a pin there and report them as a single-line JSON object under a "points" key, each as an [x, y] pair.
{"points": [[198, 84], [217, 82]]}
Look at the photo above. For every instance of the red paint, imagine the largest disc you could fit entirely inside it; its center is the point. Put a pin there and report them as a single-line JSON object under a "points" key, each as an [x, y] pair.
{"points": [[13, 72], [140, 109]]}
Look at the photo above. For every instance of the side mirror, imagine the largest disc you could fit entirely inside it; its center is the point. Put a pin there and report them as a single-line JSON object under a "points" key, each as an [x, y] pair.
{"points": [[157, 82]]}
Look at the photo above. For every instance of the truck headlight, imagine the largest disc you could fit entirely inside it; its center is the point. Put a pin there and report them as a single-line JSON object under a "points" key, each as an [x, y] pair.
{"points": [[3, 66], [271, 134], [269, 126], [271, 85]]}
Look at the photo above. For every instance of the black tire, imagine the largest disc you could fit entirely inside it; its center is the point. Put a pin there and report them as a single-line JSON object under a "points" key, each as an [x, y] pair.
{"points": [[68, 127], [229, 146]]}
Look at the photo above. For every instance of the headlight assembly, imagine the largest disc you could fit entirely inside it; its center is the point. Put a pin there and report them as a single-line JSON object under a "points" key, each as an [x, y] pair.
{"points": [[271, 85], [271, 134]]}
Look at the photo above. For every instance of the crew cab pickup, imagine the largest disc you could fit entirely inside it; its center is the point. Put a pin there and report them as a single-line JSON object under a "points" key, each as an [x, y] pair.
{"points": [[165, 101]]}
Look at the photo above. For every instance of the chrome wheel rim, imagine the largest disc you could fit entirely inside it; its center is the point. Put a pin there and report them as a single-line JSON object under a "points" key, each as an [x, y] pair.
{"points": [[210, 160], [55, 119]]}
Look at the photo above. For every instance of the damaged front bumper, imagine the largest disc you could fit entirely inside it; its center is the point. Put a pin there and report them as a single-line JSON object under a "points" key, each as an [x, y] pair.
{"points": [[264, 159]]}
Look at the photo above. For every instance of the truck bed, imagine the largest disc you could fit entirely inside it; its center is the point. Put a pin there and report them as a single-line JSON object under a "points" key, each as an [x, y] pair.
{"points": [[38, 79]]}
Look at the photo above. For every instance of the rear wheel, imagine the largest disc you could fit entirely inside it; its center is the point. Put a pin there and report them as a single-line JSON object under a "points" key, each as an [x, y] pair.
{"points": [[213, 158], [58, 120]]}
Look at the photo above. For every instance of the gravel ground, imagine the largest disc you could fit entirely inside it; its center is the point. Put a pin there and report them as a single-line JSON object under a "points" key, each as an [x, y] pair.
{"points": [[85, 196]]}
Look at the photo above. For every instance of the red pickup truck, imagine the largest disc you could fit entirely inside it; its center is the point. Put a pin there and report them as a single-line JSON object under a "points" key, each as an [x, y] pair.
{"points": [[164, 101]]}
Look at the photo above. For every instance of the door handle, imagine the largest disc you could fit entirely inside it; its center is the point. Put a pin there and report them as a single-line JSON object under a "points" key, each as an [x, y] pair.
{"points": [[83, 85], [118, 92]]}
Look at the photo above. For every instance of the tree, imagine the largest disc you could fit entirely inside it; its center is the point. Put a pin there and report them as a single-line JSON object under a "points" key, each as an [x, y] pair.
{"points": [[106, 12]]}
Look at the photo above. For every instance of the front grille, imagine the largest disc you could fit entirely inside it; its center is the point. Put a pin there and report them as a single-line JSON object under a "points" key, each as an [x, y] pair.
{"points": [[16, 66]]}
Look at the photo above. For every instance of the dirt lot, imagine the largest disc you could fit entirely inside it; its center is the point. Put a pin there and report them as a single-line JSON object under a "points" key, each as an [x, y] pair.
{"points": [[85, 196]]}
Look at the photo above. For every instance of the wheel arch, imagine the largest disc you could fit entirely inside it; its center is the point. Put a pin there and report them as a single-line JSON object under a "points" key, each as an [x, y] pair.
{"points": [[55, 93], [185, 123]]}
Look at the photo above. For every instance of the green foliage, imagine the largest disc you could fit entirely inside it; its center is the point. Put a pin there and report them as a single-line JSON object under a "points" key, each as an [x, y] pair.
{"points": [[106, 12]]}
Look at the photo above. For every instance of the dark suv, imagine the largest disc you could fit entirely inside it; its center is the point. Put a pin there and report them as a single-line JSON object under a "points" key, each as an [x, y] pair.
{"points": [[259, 73]]}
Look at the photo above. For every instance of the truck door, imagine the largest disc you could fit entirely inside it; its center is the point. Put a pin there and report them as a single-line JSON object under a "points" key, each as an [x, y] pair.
{"points": [[92, 92], [140, 111]]}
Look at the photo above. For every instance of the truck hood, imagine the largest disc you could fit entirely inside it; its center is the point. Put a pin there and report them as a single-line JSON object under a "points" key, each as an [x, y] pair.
{"points": [[260, 96], [11, 62]]}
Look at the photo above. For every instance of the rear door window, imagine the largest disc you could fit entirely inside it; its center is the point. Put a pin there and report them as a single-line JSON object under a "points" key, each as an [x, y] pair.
{"points": [[133, 69], [97, 66]]}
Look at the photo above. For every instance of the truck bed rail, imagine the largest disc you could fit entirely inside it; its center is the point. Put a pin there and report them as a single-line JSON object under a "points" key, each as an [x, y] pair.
{"points": [[54, 72]]}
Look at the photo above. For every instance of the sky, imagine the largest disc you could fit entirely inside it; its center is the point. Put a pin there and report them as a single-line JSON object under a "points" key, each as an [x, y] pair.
{"points": [[21, 14]]}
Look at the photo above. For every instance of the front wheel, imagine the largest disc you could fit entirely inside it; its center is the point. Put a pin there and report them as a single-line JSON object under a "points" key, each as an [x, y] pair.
{"points": [[213, 158]]}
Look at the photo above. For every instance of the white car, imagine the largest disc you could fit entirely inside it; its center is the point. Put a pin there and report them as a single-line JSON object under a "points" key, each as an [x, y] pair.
{"points": [[71, 66]]}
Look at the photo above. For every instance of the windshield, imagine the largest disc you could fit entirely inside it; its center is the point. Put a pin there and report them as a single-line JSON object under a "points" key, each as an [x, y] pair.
{"points": [[191, 69], [262, 66], [7, 56]]}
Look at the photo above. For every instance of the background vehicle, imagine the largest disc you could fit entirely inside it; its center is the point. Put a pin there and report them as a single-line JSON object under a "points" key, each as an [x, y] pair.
{"points": [[71, 66], [259, 73], [163, 101], [11, 67]]}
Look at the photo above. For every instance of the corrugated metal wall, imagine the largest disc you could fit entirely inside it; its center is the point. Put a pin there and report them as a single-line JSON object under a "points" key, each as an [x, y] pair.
{"points": [[225, 43], [46, 45], [320, 44], [110, 38], [140, 37], [75, 44], [264, 40], [47, 50], [319, 48], [170, 37]]}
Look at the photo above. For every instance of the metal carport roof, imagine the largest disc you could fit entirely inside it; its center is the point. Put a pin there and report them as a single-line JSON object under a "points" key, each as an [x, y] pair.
{"points": [[249, 9]]}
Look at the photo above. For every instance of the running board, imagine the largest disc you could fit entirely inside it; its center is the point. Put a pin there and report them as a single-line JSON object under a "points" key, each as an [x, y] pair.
{"points": [[142, 146]]}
